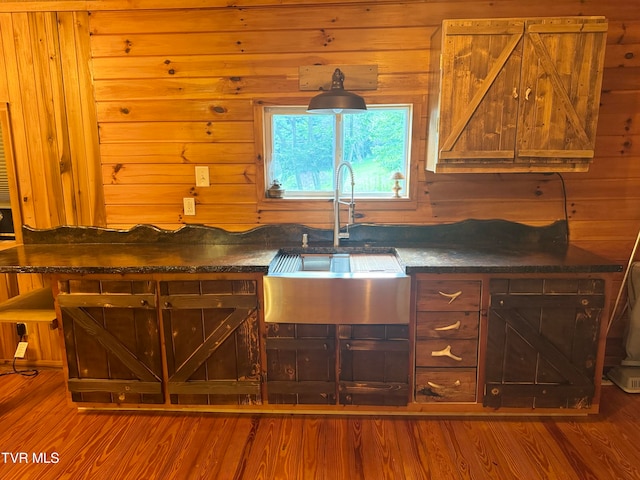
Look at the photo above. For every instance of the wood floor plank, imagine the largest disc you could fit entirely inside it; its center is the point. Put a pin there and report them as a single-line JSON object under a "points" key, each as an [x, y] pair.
{"points": [[414, 454], [36, 420], [526, 451]]}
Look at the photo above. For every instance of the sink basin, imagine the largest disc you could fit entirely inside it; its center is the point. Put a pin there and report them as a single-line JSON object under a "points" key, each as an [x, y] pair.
{"points": [[325, 262], [335, 264], [337, 288]]}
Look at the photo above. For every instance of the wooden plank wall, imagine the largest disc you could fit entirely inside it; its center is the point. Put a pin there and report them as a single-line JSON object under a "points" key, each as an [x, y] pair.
{"points": [[177, 84]]}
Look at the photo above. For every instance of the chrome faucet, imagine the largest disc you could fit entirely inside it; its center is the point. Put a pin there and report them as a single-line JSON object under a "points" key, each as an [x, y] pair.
{"points": [[336, 206]]}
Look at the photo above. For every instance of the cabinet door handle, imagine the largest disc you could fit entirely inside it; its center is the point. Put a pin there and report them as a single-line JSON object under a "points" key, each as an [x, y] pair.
{"points": [[455, 326], [527, 93], [446, 352], [451, 296], [515, 93], [457, 383]]}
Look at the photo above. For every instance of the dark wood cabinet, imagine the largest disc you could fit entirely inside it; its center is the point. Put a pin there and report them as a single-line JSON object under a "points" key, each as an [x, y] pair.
{"points": [[301, 363], [160, 340], [112, 340], [447, 339], [329, 364], [476, 343], [374, 364], [212, 341], [542, 342]]}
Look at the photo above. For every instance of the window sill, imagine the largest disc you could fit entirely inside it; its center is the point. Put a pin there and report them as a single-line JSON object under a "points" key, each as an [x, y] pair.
{"points": [[323, 203]]}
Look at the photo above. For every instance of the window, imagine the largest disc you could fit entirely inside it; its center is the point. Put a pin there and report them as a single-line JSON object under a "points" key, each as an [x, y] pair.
{"points": [[7, 229], [303, 150]]}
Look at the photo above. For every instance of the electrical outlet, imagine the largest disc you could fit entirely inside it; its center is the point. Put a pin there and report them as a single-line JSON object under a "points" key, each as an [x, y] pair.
{"points": [[189, 204], [202, 176], [21, 329], [21, 350]]}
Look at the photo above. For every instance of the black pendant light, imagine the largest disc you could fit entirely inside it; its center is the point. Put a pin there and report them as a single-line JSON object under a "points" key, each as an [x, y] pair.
{"points": [[337, 100]]}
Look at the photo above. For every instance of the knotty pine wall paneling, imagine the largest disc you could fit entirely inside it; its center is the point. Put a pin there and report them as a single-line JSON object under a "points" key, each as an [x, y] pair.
{"points": [[50, 96], [173, 84], [46, 85]]}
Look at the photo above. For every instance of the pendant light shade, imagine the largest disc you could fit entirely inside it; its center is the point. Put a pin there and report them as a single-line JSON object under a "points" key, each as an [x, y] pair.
{"points": [[337, 100]]}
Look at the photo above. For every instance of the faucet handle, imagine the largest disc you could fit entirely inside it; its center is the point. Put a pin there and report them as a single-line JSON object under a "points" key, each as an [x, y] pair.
{"points": [[352, 214]]}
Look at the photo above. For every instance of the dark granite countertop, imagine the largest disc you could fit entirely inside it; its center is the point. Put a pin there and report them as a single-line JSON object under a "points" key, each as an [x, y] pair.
{"points": [[449, 259], [497, 247], [135, 258]]}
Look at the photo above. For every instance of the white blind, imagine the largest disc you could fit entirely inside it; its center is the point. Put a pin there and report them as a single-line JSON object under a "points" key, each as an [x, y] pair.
{"points": [[5, 199]]}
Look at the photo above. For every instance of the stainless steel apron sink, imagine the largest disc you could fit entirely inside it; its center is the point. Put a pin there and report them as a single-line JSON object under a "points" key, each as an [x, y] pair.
{"points": [[337, 288]]}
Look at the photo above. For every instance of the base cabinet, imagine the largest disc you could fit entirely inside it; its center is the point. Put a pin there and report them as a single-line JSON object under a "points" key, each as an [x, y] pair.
{"points": [[475, 344], [301, 363], [112, 340], [166, 340], [343, 364], [542, 344], [447, 338], [212, 342], [374, 364]]}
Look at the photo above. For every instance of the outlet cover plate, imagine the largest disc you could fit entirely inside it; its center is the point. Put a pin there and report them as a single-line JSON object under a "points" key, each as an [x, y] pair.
{"points": [[189, 204], [202, 176]]}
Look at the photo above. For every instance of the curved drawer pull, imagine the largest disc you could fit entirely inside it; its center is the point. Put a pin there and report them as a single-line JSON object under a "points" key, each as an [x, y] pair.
{"points": [[451, 296], [446, 352], [457, 383], [527, 93], [455, 326]]}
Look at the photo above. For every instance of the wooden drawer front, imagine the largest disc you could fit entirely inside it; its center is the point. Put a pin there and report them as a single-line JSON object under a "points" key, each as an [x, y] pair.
{"points": [[445, 385], [448, 295], [447, 325], [447, 353]]}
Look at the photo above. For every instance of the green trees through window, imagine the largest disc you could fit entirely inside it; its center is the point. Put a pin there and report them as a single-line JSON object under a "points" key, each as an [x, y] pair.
{"points": [[304, 149]]}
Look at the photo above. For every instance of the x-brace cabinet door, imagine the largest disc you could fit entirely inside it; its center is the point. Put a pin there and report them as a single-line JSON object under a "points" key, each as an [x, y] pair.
{"points": [[481, 64], [112, 340], [212, 341], [560, 88], [542, 342]]}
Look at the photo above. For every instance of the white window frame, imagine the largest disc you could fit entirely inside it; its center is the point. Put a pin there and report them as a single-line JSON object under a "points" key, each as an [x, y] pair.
{"points": [[269, 111]]}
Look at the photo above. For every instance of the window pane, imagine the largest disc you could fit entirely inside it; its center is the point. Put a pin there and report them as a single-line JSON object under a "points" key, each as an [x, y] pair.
{"points": [[303, 152], [375, 145]]}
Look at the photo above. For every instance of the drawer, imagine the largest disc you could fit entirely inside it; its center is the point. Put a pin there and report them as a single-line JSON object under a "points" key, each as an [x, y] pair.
{"points": [[448, 295], [447, 324], [447, 353], [445, 385]]}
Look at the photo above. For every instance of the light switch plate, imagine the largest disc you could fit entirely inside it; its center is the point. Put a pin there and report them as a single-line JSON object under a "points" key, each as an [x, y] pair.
{"points": [[189, 204], [202, 176]]}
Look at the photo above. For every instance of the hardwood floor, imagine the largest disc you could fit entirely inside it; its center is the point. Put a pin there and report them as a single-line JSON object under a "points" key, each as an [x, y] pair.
{"points": [[36, 423]]}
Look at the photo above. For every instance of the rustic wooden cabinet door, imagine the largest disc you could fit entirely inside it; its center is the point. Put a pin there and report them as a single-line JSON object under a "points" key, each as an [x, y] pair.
{"points": [[212, 341], [517, 95], [374, 364], [329, 364], [301, 363], [112, 340], [542, 342]]}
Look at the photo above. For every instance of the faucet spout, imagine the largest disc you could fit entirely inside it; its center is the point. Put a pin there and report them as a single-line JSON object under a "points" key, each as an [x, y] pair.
{"points": [[336, 205]]}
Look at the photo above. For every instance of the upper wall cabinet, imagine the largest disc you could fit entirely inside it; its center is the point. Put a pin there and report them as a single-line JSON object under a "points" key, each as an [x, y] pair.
{"points": [[516, 95]]}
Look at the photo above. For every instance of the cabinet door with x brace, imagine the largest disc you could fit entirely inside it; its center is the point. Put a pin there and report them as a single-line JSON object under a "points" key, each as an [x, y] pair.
{"points": [[542, 342], [112, 340]]}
